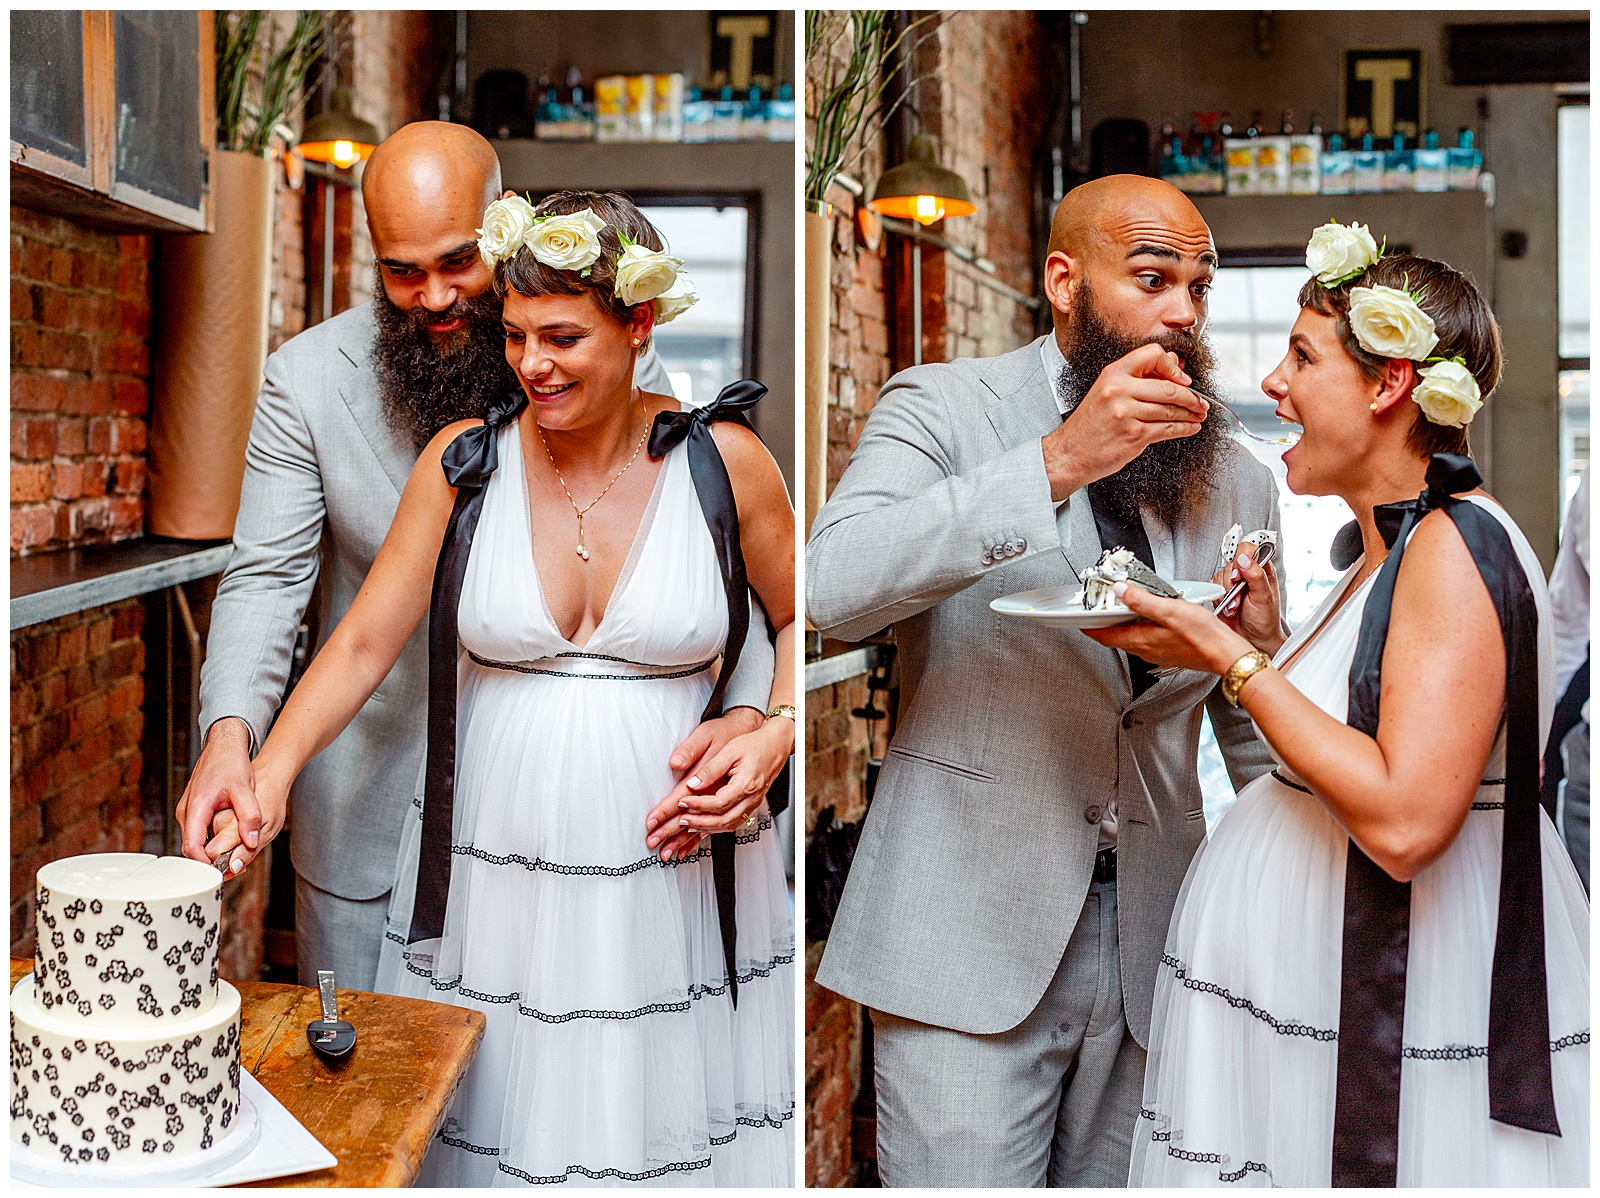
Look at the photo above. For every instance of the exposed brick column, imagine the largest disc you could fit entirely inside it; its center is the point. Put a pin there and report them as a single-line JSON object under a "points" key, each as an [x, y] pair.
{"points": [[80, 375], [77, 684]]}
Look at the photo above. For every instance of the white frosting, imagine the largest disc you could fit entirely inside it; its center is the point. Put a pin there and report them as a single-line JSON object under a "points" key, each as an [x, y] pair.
{"points": [[127, 939], [121, 1096]]}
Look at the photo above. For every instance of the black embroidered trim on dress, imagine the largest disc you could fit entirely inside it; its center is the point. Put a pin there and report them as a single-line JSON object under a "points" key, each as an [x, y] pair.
{"points": [[1464, 1052], [695, 993], [480, 1149], [1203, 1158], [1282, 1027], [600, 1174], [609, 871], [1291, 785], [1482, 782], [522, 669]]}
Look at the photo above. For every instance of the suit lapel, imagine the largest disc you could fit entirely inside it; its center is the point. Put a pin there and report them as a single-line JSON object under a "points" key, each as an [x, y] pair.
{"points": [[359, 391]]}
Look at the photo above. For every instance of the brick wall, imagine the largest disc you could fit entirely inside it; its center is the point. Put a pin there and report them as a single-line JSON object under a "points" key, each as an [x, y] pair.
{"points": [[76, 689], [80, 382], [987, 112]]}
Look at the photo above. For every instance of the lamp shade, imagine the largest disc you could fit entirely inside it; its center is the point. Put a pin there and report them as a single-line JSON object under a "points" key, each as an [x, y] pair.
{"points": [[338, 136], [920, 189]]}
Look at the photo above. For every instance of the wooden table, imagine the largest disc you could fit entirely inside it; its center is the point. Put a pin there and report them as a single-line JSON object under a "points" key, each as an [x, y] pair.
{"points": [[378, 1110]]}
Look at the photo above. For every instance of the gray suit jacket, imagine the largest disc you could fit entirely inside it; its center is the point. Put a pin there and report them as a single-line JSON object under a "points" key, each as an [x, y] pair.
{"points": [[323, 476], [980, 844]]}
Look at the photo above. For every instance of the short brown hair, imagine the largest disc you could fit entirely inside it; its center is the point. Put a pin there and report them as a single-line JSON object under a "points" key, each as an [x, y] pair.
{"points": [[1461, 316], [526, 275]]}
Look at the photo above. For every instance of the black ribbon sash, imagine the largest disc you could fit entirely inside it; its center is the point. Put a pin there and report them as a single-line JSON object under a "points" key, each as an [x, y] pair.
{"points": [[468, 462], [1377, 909]]}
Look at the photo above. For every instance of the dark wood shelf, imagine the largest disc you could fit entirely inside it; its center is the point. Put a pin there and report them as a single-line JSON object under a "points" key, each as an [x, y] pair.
{"points": [[48, 585]]}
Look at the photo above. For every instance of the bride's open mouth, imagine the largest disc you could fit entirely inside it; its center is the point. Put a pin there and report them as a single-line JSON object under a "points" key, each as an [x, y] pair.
{"points": [[552, 393]]}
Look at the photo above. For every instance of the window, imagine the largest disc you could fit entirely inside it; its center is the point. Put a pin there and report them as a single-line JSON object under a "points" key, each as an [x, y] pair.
{"points": [[1572, 169], [704, 349]]}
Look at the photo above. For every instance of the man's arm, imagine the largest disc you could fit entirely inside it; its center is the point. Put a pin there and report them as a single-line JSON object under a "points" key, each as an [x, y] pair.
{"points": [[260, 601], [903, 531]]}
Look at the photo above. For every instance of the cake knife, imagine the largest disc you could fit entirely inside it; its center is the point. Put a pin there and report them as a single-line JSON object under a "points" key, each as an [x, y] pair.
{"points": [[330, 1035]]}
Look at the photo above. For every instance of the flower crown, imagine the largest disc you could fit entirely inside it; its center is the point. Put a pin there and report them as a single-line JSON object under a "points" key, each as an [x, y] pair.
{"points": [[571, 241], [1390, 323]]}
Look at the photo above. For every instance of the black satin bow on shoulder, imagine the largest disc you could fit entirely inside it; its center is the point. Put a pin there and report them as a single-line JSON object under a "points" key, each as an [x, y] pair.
{"points": [[1377, 909], [468, 463]]}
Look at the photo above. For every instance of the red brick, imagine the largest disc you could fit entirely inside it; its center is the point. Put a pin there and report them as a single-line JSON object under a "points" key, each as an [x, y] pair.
{"points": [[53, 691], [129, 621], [35, 259], [83, 798], [79, 680], [130, 399], [63, 351], [132, 769], [72, 645], [86, 716], [24, 348], [61, 267], [38, 392], [125, 697], [89, 516], [32, 439], [68, 480], [128, 435], [19, 530], [31, 482], [71, 437], [90, 397], [100, 436], [25, 700], [38, 525], [100, 630], [82, 837], [125, 732], [92, 752], [131, 476]]}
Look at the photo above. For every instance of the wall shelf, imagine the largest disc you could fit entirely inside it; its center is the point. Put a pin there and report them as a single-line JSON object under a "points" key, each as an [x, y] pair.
{"points": [[48, 585]]}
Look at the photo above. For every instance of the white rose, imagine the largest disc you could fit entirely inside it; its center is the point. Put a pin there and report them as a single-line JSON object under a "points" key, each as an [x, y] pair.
{"points": [[1339, 252], [676, 300], [1448, 394], [1389, 323], [643, 274], [570, 242], [505, 225]]}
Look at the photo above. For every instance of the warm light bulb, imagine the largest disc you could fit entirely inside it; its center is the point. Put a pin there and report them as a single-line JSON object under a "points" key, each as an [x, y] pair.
{"points": [[928, 210], [344, 153]]}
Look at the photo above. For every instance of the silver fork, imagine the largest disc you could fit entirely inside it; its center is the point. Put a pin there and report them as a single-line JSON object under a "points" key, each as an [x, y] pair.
{"points": [[1289, 440], [1264, 554]]}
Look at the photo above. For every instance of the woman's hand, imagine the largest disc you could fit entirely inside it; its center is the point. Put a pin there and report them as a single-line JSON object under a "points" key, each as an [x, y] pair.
{"points": [[720, 794], [1254, 615], [1178, 633], [272, 803]]}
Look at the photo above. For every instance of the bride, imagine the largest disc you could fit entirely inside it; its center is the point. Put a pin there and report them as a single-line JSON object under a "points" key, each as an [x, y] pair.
{"points": [[592, 544], [1359, 987]]}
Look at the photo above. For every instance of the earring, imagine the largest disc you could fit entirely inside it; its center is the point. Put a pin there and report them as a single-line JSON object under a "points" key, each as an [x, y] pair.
{"points": [[636, 343], [1374, 405]]}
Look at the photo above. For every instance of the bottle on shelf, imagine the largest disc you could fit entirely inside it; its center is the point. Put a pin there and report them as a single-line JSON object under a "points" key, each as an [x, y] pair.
{"points": [[1240, 153], [579, 110], [1399, 165], [1171, 165], [780, 119], [1366, 167], [611, 108], [727, 117], [697, 117], [1465, 162], [753, 116], [668, 107], [1431, 170], [1305, 159], [1272, 157], [1337, 164]]}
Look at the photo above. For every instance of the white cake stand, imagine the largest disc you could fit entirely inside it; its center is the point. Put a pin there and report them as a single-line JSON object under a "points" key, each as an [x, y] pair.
{"points": [[27, 1165]]}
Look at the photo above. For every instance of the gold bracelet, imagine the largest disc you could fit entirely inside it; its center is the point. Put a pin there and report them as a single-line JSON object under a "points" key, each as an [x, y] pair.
{"points": [[783, 709], [1241, 672]]}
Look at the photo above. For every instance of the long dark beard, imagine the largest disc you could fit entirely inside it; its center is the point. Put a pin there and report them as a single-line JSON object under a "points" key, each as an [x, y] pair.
{"points": [[1169, 477], [425, 388]]}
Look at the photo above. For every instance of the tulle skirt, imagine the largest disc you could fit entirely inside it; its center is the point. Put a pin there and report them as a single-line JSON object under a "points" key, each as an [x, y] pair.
{"points": [[1240, 1082], [613, 1054]]}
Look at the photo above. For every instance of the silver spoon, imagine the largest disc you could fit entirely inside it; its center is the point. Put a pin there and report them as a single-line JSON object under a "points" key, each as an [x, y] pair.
{"points": [[1289, 440]]}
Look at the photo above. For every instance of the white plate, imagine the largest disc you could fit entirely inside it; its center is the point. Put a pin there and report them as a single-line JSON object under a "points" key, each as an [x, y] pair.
{"points": [[1053, 607], [275, 1144]]}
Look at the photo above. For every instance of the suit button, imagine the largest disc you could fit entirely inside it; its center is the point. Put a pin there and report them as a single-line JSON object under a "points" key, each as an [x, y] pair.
{"points": [[987, 558], [1022, 544], [1128, 720], [1011, 548], [1091, 815]]}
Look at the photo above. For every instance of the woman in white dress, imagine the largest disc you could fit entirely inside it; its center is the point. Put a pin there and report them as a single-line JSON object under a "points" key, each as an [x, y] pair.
{"points": [[639, 1022], [1334, 1005]]}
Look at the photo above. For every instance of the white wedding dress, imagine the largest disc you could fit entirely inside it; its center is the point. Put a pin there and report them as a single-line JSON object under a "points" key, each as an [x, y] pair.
{"points": [[613, 1054], [1240, 1081]]}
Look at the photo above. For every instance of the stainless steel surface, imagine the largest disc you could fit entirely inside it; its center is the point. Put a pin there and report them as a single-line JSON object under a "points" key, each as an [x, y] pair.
{"points": [[330, 1002], [850, 664]]}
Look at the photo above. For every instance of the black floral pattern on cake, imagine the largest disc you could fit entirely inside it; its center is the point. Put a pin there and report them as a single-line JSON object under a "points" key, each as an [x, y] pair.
{"points": [[108, 938], [119, 971], [195, 914], [75, 908], [137, 913], [77, 935], [151, 941], [94, 907], [148, 1003], [90, 960]]}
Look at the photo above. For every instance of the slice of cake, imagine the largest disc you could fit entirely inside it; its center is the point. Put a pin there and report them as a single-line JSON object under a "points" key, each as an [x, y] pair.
{"points": [[1119, 565], [124, 1043]]}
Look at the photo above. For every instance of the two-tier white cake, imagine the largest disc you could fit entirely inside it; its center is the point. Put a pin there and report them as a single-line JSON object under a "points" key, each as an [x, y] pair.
{"points": [[124, 1044]]}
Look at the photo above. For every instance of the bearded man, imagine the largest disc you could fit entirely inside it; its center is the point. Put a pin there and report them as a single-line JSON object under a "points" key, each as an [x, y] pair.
{"points": [[1039, 804], [344, 410]]}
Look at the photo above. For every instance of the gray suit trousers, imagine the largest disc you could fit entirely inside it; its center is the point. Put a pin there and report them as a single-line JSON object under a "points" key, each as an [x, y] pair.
{"points": [[1051, 1102]]}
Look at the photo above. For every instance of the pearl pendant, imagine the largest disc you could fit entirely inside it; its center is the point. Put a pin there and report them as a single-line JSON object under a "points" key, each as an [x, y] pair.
{"points": [[583, 553]]}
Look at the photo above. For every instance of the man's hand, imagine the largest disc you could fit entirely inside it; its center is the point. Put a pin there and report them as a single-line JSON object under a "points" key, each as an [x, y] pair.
{"points": [[221, 789], [704, 743], [1137, 400]]}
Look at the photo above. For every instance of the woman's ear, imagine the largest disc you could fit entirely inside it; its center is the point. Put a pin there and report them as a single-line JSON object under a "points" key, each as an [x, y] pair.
{"points": [[1399, 377], [643, 321]]}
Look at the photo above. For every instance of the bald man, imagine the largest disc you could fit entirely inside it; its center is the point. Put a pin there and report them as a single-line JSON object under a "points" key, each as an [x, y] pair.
{"points": [[1039, 804], [344, 409]]}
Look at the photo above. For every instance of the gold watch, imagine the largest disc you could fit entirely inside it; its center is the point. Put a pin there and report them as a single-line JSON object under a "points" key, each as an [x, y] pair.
{"points": [[1242, 671]]}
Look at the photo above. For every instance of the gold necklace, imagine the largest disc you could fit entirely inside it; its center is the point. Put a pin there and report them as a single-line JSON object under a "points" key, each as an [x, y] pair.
{"points": [[582, 551]]}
